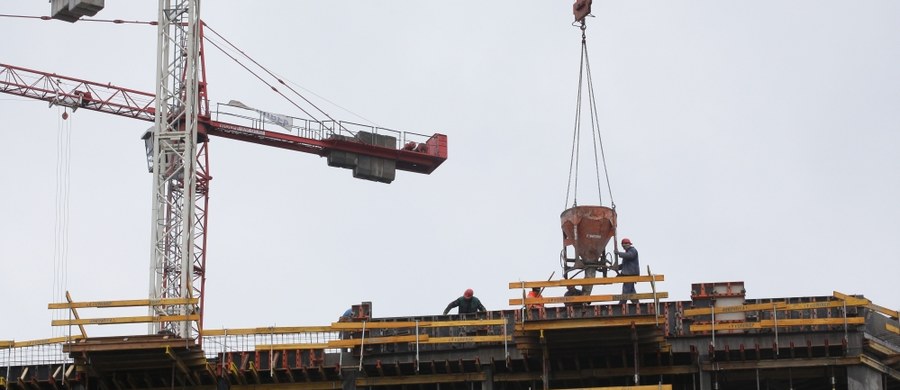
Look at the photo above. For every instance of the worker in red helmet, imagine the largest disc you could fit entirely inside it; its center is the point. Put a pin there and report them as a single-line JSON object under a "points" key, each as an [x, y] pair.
{"points": [[629, 267], [467, 303]]}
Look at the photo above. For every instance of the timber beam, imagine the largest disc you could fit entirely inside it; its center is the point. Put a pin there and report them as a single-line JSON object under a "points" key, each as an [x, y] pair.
{"points": [[587, 298], [586, 281]]}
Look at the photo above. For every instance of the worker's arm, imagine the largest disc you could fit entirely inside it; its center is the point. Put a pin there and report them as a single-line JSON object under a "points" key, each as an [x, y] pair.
{"points": [[629, 254], [453, 304], [479, 307]]}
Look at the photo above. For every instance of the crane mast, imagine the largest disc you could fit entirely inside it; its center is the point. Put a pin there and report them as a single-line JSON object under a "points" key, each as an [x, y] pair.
{"points": [[177, 254], [177, 151]]}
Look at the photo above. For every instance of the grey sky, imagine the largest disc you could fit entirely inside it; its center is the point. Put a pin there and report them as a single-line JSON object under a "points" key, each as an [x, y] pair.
{"points": [[749, 141]]}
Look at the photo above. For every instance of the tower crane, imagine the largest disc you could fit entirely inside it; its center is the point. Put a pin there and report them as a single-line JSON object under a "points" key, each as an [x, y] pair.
{"points": [[177, 149]]}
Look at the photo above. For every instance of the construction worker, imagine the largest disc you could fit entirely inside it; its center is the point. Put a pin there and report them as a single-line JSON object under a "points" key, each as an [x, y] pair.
{"points": [[572, 291], [535, 293], [629, 267], [467, 303], [348, 314]]}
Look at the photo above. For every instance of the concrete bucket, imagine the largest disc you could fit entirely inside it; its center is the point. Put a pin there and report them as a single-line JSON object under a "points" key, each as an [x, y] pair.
{"points": [[586, 232]]}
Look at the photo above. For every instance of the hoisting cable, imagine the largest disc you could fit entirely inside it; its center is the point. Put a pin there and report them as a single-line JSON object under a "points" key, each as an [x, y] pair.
{"points": [[61, 223], [273, 76], [573, 159], [595, 127], [584, 72]]}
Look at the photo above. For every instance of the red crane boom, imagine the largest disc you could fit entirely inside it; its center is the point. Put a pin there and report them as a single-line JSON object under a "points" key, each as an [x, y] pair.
{"points": [[411, 152]]}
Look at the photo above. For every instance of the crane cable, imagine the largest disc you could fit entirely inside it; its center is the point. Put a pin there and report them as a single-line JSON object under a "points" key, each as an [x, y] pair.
{"points": [[584, 72], [114, 21], [61, 223], [206, 26]]}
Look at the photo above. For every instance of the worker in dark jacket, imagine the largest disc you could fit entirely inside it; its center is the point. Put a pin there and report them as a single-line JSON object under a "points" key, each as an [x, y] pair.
{"points": [[629, 267], [572, 291], [467, 303]]}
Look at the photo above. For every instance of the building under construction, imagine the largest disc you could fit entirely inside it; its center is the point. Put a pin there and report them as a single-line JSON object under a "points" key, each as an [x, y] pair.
{"points": [[719, 339]]}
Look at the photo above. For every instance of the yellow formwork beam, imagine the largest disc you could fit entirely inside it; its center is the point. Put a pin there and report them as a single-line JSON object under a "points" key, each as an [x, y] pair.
{"points": [[586, 323], [587, 298], [265, 330], [288, 347], [894, 314], [125, 303], [587, 281], [644, 387], [6, 344], [731, 309], [377, 340], [892, 328], [778, 306], [412, 324], [125, 320], [779, 323], [75, 314], [466, 339]]}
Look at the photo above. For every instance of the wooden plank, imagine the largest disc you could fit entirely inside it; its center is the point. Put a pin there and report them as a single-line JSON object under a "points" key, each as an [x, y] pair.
{"points": [[75, 314], [894, 314], [892, 328], [125, 303], [266, 330], [376, 340], [582, 323], [288, 347], [466, 339], [587, 298], [731, 309], [586, 281], [778, 306], [849, 302], [781, 323], [125, 320], [412, 324], [6, 344], [32, 343]]}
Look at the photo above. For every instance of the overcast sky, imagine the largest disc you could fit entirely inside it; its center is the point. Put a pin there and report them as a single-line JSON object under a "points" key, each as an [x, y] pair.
{"points": [[752, 141]]}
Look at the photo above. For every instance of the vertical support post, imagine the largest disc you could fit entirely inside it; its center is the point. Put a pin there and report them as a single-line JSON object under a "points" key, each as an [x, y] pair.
{"points": [[845, 322], [860, 377], [775, 317], [712, 311], [417, 345], [545, 363], [488, 382], [634, 342], [362, 346], [505, 338], [348, 379]]}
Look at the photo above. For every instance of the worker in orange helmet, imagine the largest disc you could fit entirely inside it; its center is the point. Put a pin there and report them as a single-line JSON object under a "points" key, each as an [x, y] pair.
{"points": [[535, 293], [629, 267], [467, 303]]}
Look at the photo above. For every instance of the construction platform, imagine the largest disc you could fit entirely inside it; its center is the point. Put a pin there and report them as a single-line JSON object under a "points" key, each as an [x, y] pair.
{"points": [[718, 339]]}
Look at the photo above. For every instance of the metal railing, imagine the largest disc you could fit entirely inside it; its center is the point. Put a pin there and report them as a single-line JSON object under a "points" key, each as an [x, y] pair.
{"points": [[239, 114]]}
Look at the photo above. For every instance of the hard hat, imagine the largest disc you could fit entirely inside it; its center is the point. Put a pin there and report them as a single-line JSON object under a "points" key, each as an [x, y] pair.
{"points": [[469, 293], [626, 241]]}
